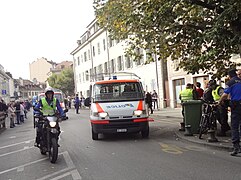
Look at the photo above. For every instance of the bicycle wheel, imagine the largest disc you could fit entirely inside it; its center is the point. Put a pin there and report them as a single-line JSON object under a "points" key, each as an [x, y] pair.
{"points": [[203, 127]]}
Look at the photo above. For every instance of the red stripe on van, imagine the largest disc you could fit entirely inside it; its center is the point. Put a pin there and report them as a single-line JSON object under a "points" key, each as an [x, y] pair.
{"points": [[140, 106], [99, 108]]}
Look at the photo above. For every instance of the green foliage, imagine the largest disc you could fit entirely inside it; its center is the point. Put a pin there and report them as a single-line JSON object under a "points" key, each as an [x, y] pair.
{"points": [[63, 81], [202, 34]]}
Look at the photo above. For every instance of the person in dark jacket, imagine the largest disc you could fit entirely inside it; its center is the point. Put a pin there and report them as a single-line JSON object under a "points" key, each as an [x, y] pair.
{"points": [[77, 103], [149, 101]]}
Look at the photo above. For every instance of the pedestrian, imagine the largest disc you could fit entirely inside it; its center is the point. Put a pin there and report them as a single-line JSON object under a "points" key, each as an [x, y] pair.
{"points": [[187, 94], [233, 89], [21, 112], [222, 109], [12, 114], [155, 99], [207, 94], [199, 90], [17, 111], [148, 100], [77, 103]]}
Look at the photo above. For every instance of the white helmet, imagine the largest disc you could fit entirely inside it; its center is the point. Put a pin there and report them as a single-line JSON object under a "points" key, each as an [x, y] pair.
{"points": [[49, 89]]}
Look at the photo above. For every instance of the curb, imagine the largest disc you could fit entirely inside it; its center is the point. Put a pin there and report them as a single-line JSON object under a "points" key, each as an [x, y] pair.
{"points": [[194, 139]]}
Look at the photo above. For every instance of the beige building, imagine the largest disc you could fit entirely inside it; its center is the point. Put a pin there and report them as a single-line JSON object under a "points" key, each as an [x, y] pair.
{"points": [[40, 68]]}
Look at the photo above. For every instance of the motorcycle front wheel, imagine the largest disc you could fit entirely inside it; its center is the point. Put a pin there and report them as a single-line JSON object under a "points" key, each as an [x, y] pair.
{"points": [[53, 154]]}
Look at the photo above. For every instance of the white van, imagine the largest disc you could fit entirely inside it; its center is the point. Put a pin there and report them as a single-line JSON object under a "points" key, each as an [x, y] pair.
{"points": [[118, 106]]}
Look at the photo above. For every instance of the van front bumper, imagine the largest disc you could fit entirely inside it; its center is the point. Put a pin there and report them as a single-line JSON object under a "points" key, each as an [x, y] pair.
{"points": [[120, 126]]}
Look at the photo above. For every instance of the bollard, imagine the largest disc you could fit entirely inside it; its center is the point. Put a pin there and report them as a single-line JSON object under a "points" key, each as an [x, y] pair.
{"points": [[188, 131], [182, 126], [212, 137]]}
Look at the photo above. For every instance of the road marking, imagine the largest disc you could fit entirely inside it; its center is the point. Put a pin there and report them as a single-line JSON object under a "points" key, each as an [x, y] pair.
{"points": [[12, 152], [75, 175], [70, 165], [171, 149], [23, 142], [19, 167]]}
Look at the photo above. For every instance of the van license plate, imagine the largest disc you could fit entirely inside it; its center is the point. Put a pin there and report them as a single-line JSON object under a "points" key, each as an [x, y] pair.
{"points": [[121, 130]]}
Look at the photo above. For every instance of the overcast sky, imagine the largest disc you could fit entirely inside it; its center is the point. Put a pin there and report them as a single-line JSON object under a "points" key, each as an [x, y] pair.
{"points": [[32, 29]]}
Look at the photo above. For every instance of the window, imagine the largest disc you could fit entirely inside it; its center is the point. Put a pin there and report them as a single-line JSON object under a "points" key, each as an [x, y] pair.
{"points": [[85, 56], [104, 46], [89, 54], [93, 50], [119, 63], [129, 63], [78, 61], [87, 75], [112, 64], [105, 67], [98, 48], [100, 69]]}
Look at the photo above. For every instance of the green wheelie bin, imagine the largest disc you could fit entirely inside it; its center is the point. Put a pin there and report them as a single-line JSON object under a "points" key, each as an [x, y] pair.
{"points": [[192, 116]]}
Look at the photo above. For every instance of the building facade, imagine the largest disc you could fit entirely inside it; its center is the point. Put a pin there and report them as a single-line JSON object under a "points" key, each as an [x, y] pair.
{"points": [[97, 53]]}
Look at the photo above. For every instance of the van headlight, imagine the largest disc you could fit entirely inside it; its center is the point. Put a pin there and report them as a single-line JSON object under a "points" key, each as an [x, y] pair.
{"points": [[138, 112], [52, 124], [103, 114]]}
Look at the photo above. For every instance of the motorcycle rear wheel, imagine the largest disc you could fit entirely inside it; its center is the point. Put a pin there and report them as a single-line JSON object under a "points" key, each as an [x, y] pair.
{"points": [[53, 154]]}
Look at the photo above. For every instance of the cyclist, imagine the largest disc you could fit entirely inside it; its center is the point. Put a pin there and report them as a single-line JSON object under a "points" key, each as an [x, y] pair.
{"points": [[222, 109]]}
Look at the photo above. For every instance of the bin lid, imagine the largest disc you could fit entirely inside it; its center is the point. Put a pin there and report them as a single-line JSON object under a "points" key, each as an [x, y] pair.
{"points": [[193, 102]]}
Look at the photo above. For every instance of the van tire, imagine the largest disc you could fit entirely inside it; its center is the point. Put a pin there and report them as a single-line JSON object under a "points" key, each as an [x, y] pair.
{"points": [[94, 135], [145, 133]]}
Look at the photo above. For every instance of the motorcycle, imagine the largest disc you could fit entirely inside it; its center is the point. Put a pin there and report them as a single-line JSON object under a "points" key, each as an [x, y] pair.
{"points": [[48, 131]]}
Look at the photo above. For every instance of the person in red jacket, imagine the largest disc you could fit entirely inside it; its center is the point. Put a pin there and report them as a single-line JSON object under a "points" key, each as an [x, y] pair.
{"points": [[199, 90]]}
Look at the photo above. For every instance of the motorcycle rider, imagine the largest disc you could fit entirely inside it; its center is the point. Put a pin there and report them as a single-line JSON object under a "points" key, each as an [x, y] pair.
{"points": [[47, 106]]}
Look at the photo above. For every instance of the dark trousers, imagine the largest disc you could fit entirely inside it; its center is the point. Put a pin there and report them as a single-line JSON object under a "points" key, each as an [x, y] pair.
{"points": [[235, 125], [77, 108], [18, 117], [222, 117], [155, 103]]}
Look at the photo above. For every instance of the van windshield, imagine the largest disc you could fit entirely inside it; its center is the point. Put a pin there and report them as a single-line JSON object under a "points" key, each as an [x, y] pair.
{"points": [[125, 91]]}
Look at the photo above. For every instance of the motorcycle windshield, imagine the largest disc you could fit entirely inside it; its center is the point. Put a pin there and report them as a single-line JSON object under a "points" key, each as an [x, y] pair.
{"points": [[52, 118]]}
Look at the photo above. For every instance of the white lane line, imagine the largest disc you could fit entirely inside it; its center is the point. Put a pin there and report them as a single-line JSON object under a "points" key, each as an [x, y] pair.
{"points": [[19, 167], [23, 142], [68, 160], [27, 164], [12, 152], [70, 165], [75, 175], [54, 174]]}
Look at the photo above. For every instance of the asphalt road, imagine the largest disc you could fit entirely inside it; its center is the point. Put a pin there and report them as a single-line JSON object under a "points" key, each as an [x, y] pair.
{"points": [[114, 157]]}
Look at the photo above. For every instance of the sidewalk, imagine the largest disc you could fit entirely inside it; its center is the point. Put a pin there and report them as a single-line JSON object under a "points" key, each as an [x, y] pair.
{"points": [[224, 143]]}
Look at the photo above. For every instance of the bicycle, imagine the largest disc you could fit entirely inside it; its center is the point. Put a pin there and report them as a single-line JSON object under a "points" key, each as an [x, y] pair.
{"points": [[208, 119]]}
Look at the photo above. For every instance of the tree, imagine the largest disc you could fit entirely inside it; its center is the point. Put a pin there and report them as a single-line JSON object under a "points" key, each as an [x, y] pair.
{"points": [[201, 34], [63, 81]]}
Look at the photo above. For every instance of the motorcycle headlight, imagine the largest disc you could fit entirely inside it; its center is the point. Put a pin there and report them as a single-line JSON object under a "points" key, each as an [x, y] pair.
{"points": [[138, 112], [103, 114], [52, 124]]}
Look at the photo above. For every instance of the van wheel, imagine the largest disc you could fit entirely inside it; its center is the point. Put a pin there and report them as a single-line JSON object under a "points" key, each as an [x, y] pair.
{"points": [[145, 133], [94, 135]]}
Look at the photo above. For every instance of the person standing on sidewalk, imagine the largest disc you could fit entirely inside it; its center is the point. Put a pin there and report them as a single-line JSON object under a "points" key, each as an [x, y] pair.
{"points": [[12, 115], [148, 100], [222, 109], [77, 103], [199, 90], [186, 94], [155, 99], [233, 88]]}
